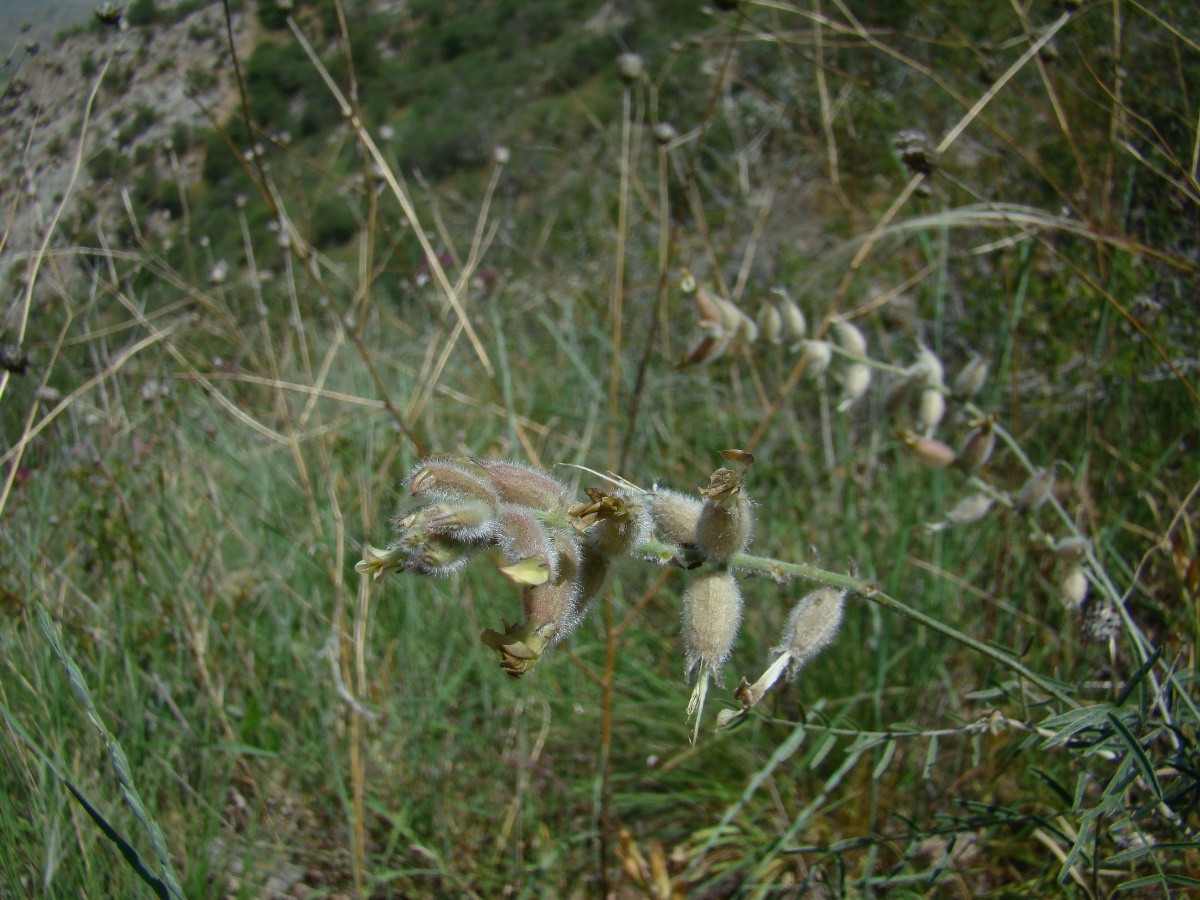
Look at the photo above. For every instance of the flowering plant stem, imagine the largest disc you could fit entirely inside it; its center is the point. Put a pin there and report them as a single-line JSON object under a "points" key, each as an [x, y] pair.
{"points": [[780, 570]]}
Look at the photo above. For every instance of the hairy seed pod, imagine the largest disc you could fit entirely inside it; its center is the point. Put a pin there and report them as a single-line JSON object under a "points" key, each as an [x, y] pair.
{"points": [[712, 612], [855, 384], [629, 67], [811, 626], [820, 355], [852, 340], [770, 323], [626, 529], [1036, 490], [969, 509], [928, 369], [532, 557], [443, 478], [724, 526], [977, 448], [469, 521], [1073, 549], [523, 485], [971, 379], [794, 327], [1073, 589], [440, 557], [930, 451], [931, 410], [675, 515], [734, 322]]}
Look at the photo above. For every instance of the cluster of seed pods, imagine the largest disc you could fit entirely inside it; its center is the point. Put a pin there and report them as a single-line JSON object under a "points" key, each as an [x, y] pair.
{"points": [[916, 399], [558, 552]]}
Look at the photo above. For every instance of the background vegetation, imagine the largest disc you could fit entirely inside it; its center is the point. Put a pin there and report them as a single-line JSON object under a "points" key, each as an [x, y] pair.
{"points": [[215, 419]]}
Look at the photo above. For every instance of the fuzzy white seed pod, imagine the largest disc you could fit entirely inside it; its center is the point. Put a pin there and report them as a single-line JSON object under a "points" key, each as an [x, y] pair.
{"points": [[532, 556], [854, 385], [929, 369], [724, 529], [931, 410], [712, 612], [629, 67], [820, 355], [794, 327], [1036, 490], [675, 515], [969, 509], [1073, 549], [625, 529], [770, 323], [443, 478], [852, 340], [1073, 589], [812, 625], [977, 448], [971, 379], [930, 451]]}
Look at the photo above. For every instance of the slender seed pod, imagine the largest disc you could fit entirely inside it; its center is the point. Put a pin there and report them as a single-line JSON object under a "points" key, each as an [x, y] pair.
{"points": [[977, 448], [1073, 589], [794, 327], [440, 557], [811, 626], [929, 451], [444, 478], [770, 323], [899, 392], [855, 385], [712, 612], [820, 355], [851, 338], [932, 408], [971, 379], [675, 515], [523, 485], [707, 348], [593, 570]]}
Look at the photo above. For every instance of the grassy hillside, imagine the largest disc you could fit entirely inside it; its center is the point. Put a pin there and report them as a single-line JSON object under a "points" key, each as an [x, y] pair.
{"points": [[489, 231]]}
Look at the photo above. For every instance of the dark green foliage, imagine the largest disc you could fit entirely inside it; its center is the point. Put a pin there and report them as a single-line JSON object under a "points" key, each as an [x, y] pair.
{"points": [[140, 13], [333, 223]]}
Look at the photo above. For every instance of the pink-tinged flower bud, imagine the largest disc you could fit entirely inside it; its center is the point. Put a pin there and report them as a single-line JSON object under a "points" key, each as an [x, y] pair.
{"points": [[977, 448], [794, 327], [675, 516], [770, 324], [820, 355], [712, 612], [708, 311], [852, 340], [706, 349], [523, 485], [931, 410], [971, 379], [929, 451], [1073, 589], [854, 385], [443, 478], [812, 625], [523, 541], [1036, 490]]}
